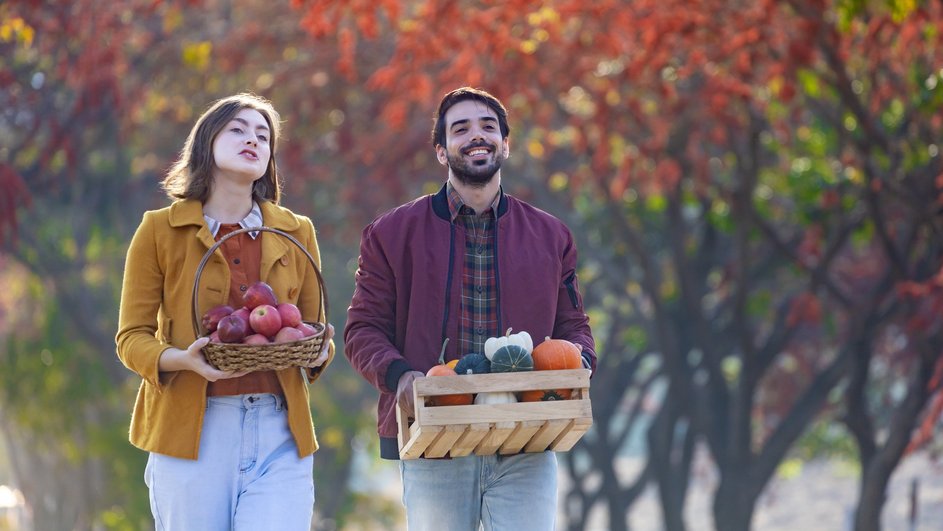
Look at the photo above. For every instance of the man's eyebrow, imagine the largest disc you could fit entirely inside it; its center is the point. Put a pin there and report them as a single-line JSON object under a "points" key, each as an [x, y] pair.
{"points": [[245, 123], [464, 121], [459, 122]]}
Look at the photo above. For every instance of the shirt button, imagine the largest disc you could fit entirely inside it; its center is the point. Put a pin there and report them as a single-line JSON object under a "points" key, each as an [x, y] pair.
{"points": [[480, 289], [480, 331], [243, 287], [235, 261], [481, 250]]}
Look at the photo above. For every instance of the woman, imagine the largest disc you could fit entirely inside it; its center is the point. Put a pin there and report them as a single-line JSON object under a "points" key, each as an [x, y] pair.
{"points": [[227, 450]]}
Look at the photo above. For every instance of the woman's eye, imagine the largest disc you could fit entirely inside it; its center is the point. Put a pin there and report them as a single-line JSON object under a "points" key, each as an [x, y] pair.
{"points": [[236, 130], [263, 138]]}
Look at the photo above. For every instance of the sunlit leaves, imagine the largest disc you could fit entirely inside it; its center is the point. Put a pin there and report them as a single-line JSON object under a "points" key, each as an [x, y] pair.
{"points": [[197, 55], [15, 29]]}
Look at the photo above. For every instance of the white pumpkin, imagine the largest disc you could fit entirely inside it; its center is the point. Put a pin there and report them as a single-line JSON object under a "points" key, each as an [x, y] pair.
{"points": [[495, 398], [521, 339]]}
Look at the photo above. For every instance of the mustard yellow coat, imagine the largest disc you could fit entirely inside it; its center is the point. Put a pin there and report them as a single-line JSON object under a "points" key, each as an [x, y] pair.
{"points": [[156, 310]]}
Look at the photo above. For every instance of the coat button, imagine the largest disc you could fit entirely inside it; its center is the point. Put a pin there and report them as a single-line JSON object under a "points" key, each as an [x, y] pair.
{"points": [[283, 260]]}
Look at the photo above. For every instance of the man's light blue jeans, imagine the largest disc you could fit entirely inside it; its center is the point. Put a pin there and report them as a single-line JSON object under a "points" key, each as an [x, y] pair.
{"points": [[248, 475], [499, 493]]}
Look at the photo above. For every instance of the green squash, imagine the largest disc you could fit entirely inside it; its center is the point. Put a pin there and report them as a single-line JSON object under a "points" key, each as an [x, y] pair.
{"points": [[473, 363], [511, 358]]}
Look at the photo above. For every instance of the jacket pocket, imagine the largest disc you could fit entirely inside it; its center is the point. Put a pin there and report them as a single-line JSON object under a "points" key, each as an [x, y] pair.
{"points": [[572, 290]]}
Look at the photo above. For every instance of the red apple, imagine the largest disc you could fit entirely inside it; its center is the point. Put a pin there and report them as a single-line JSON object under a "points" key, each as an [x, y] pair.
{"points": [[288, 334], [291, 315], [211, 318], [232, 329], [256, 339], [265, 320], [214, 338], [307, 330], [257, 294], [243, 313]]}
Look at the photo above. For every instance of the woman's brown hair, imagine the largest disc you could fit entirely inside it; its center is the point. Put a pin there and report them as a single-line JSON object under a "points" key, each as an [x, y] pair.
{"points": [[191, 177]]}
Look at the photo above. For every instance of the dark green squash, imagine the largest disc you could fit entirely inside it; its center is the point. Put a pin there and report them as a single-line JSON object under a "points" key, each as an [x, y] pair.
{"points": [[511, 358], [473, 363]]}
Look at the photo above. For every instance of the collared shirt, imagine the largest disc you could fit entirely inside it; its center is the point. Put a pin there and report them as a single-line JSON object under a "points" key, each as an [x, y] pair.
{"points": [[479, 309], [252, 219]]}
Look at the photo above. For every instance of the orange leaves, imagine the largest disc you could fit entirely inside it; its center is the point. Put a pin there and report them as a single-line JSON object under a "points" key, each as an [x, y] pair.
{"points": [[811, 247], [347, 44], [805, 309], [668, 173]]}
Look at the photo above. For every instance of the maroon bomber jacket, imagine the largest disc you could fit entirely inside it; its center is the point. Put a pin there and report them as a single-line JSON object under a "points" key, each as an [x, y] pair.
{"points": [[408, 291]]}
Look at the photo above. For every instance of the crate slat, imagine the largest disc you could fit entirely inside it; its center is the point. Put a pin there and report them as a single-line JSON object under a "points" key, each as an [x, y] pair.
{"points": [[498, 382], [443, 443], [496, 436], [521, 436], [419, 442], [547, 434], [470, 439], [568, 438]]}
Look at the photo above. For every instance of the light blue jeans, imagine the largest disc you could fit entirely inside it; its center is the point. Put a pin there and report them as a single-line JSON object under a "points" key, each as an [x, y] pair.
{"points": [[499, 493], [248, 475]]}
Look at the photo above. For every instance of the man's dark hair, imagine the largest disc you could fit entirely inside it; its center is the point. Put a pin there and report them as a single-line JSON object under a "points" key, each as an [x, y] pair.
{"points": [[462, 94]]}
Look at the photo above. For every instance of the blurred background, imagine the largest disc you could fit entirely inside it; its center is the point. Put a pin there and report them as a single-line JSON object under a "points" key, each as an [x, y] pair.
{"points": [[754, 185]]}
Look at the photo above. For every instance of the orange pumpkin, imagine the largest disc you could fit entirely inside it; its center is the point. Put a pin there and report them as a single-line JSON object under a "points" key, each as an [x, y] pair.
{"points": [[553, 354], [446, 369]]}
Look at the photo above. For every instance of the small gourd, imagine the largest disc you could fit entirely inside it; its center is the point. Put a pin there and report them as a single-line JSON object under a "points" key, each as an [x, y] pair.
{"points": [[557, 354], [496, 397], [511, 358], [443, 369], [473, 363], [553, 354], [521, 339]]}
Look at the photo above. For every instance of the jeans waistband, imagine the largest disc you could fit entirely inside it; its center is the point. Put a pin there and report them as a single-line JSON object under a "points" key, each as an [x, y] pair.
{"points": [[251, 400]]}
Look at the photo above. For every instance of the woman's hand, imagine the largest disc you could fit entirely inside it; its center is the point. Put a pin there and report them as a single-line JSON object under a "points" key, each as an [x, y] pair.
{"points": [[192, 359], [325, 349]]}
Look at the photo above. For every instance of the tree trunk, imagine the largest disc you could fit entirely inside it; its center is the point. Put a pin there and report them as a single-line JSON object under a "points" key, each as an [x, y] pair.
{"points": [[876, 473], [733, 504]]}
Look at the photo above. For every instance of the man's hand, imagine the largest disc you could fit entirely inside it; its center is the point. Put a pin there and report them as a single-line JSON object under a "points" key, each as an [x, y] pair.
{"points": [[404, 391]]}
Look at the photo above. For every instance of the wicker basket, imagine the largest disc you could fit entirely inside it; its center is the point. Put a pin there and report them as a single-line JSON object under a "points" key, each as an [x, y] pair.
{"points": [[273, 356]]}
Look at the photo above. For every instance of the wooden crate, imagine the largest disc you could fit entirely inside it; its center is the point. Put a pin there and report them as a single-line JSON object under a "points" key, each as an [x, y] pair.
{"points": [[483, 429]]}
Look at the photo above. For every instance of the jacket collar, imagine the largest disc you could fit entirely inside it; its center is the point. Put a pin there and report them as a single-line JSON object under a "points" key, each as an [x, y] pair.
{"points": [[190, 212], [440, 203]]}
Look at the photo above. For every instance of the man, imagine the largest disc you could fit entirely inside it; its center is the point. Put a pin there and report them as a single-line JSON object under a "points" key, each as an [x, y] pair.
{"points": [[465, 264]]}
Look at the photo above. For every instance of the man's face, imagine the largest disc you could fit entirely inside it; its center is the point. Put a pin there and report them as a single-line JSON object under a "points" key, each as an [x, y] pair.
{"points": [[474, 148]]}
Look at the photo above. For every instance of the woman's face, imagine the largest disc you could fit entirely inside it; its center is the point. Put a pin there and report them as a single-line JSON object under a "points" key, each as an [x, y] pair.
{"points": [[242, 148]]}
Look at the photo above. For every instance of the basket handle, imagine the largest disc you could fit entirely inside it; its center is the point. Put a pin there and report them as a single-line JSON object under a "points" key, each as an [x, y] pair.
{"points": [[322, 312]]}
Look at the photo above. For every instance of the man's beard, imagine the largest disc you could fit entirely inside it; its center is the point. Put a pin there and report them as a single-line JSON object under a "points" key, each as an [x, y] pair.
{"points": [[471, 174]]}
